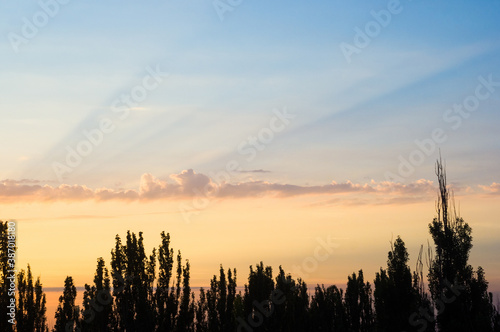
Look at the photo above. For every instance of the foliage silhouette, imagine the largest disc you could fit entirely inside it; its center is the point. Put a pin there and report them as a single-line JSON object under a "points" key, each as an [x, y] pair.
{"points": [[395, 295], [67, 314], [459, 293], [98, 302]]}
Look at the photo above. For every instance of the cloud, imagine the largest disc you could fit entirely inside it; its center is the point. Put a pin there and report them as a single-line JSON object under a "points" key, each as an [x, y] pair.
{"points": [[189, 184], [493, 189], [254, 171], [260, 188], [186, 184], [387, 193], [25, 181], [182, 185], [418, 187]]}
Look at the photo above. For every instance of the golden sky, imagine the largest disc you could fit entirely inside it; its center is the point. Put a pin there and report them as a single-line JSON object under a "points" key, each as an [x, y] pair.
{"points": [[59, 238]]}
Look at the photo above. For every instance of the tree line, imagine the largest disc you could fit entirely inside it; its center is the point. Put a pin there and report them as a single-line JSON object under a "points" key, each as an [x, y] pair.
{"points": [[141, 292]]}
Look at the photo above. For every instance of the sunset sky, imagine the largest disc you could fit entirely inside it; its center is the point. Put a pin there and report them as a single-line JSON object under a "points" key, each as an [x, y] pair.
{"points": [[248, 130]]}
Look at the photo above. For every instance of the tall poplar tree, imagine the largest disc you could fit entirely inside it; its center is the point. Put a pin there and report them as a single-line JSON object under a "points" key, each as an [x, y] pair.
{"points": [[459, 293], [358, 304], [67, 314], [327, 310], [395, 297], [97, 314]]}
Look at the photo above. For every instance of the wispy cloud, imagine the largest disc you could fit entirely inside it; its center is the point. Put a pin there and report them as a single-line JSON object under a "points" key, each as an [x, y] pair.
{"points": [[261, 188], [254, 171], [188, 184]]}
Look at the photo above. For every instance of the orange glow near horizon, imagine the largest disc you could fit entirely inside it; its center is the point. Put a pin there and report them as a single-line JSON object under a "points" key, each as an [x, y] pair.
{"points": [[240, 233]]}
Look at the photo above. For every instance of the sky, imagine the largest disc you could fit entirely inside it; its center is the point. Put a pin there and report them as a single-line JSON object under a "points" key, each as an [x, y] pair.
{"points": [[248, 130]]}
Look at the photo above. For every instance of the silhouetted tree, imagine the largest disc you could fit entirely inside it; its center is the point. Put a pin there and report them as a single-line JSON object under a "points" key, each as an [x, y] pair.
{"points": [[31, 304], [165, 310], [481, 305], [133, 275], [213, 300], [358, 303], [239, 312], [496, 317], [97, 314], [121, 310], [257, 300], [25, 314], [459, 293], [67, 314], [220, 302], [291, 304], [141, 271], [423, 319], [26, 306], [230, 323], [201, 313], [40, 308], [185, 321], [327, 311], [173, 300], [394, 294]]}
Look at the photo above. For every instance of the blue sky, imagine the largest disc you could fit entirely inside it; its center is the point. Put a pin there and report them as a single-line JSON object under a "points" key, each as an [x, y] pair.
{"points": [[353, 119]]}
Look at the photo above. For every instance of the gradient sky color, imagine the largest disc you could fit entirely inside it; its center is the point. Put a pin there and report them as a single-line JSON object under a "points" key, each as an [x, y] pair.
{"points": [[321, 172]]}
